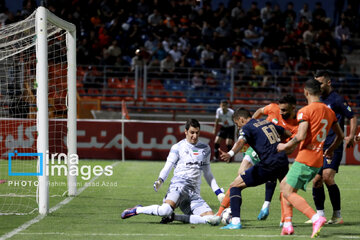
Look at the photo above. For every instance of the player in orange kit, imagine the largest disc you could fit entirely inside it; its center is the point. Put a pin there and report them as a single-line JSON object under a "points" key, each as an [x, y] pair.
{"points": [[315, 121]]}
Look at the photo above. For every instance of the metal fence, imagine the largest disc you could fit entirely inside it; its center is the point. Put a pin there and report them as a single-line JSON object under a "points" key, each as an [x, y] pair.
{"points": [[185, 89]]}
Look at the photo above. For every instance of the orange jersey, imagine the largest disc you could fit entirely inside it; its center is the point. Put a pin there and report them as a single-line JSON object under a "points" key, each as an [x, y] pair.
{"points": [[273, 115], [320, 118]]}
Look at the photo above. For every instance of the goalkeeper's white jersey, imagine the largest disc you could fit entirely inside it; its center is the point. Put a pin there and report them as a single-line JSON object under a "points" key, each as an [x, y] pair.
{"points": [[188, 160], [225, 119]]}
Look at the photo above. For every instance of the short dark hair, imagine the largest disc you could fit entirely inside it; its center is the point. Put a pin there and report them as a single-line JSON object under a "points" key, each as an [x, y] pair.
{"points": [[288, 98], [192, 122], [224, 101], [241, 112], [323, 73], [313, 86]]}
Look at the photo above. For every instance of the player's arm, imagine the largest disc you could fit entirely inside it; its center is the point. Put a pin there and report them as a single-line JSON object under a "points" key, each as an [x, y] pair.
{"points": [[301, 135], [225, 156], [170, 162], [210, 179], [258, 113], [349, 140], [337, 141]]}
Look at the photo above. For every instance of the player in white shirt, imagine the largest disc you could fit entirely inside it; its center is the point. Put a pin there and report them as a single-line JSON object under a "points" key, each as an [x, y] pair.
{"points": [[190, 157], [224, 119]]}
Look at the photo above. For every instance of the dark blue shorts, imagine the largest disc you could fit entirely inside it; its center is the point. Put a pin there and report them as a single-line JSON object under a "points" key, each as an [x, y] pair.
{"points": [[227, 132], [334, 163], [257, 175]]}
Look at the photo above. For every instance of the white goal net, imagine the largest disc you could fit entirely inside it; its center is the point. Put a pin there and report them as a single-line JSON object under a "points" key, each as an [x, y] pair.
{"points": [[37, 116]]}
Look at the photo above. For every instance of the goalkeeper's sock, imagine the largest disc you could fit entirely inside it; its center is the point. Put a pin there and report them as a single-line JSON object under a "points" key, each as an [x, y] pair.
{"points": [[235, 201], [193, 219], [163, 210], [225, 203]]}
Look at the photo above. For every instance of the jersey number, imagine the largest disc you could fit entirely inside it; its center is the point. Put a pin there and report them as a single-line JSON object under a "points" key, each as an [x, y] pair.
{"points": [[322, 135], [271, 133]]}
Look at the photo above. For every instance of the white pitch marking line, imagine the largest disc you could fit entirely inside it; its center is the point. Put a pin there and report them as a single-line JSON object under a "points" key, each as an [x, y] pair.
{"points": [[172, 235], [51, 210]]}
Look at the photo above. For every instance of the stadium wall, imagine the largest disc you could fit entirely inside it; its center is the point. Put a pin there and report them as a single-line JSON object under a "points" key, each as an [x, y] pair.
{"points": [[144, 140]]}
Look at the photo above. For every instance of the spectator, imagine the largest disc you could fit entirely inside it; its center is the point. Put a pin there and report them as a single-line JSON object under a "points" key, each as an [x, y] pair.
{"points": [[155, 18], [266, 12], [342, 36], [253, 36], [306, 12], [175, 53], [197, 81], [167, 66], [207, 56]]}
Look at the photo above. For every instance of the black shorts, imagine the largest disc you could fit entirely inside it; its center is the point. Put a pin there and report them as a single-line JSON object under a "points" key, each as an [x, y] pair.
{"points": [[227, 132], [257, 175], [334, 163]]}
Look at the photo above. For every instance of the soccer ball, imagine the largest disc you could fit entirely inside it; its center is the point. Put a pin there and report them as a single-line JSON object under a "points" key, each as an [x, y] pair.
{"points": [[226, 216]]}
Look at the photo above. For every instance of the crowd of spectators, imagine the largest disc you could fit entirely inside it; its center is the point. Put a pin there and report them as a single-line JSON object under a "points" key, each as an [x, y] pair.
{"points": [[111, 32], [169, 34]]}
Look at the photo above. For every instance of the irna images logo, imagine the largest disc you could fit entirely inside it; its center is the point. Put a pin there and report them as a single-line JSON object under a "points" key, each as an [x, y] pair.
{"points": [[57, 165]]}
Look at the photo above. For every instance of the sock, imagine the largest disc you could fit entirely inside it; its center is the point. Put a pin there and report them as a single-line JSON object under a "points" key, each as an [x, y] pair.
{"points": [[337, 214], [300, 204], [319, 197], [282, 209], [225, 203], [320, 213], [265, 205], [334, 194], [229, 147], [235, 201], [235, 220], [315, 217], [216, 150], [287, 224], [287, 209], [196, 219], [163, 210], [269, 190]]}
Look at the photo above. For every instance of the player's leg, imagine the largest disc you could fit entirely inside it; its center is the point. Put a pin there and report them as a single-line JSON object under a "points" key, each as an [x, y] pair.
{"points": [[287, 212], [245, 164], [327, 176], [319, 193], [196, 211], [269, 192], [329, 173], [229, 141], [298, 177], [217, 142], [254, 176], [164, 210], [334, 195]]}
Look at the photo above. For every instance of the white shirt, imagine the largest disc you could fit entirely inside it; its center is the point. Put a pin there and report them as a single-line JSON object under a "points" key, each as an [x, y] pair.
{"points": [[225, 119], [189, 162]]}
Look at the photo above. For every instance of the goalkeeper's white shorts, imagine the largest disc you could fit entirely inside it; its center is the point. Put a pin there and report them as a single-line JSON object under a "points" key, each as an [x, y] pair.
{"points": [[187, 200]]}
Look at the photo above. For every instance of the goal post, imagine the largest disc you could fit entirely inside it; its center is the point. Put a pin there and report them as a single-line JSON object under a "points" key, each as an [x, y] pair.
{"points": [[42, 17], [38, 113]]}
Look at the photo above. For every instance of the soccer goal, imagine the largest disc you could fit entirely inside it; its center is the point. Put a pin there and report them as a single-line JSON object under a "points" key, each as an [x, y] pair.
{"points": [[37, 113]]}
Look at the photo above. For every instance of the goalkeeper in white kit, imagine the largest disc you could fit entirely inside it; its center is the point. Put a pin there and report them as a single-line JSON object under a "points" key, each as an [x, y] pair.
{"points": [[189, 157]]}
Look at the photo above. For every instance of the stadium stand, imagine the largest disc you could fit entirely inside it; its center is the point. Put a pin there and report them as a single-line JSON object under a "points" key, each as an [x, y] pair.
{"points": [[183, 57]]}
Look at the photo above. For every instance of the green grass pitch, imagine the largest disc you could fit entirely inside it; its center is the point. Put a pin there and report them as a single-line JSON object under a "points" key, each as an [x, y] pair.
{"points": [[95, 213]]}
